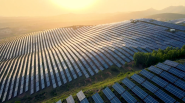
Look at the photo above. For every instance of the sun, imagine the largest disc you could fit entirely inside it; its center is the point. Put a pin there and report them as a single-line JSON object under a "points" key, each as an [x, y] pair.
{"points": [[74, 4]]}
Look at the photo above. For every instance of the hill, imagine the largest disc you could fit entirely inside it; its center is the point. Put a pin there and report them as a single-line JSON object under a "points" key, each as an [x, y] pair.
{"points": [[166, 16], [174, 9], [43, 64]]}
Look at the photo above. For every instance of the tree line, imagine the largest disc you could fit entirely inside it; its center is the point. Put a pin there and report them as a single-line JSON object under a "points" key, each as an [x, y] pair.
{"points": [[148, 59]]}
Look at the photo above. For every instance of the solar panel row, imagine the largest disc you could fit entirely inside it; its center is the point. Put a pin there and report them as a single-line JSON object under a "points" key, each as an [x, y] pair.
{"points": [[155, 70], [163, 66], [97, 98], [181, 67], [128, 97], [80, 96], [70, 99], [118, 88], [165, 97], [149, 99], [177, 72], [175, 91], [109, 94], [171, 63], [137, 78], [128, 83]]}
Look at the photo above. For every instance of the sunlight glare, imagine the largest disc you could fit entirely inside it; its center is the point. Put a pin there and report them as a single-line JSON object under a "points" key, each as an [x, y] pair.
{"points": [[74, 4]]}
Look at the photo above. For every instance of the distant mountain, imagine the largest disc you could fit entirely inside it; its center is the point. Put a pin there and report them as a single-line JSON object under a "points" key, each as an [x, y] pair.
{"points": [[166, 16], [133, 15], [174, 9], [172, 12], [23, 25], [95, 18]]}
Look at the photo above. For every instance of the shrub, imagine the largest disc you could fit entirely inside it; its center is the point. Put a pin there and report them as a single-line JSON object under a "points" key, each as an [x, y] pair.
{"points": [[53, 93], [147, 59], [114, 69], [126, 64], [120, 74]]}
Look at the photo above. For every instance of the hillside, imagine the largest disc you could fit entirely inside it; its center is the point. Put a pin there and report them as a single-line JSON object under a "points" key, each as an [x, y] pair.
{"points": [[174, 9], [166, 16], [43, 64]]}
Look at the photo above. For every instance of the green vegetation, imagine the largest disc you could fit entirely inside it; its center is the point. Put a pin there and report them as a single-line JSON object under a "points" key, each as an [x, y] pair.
{"points": [[126, 64], [147, 59], [181, 61]]}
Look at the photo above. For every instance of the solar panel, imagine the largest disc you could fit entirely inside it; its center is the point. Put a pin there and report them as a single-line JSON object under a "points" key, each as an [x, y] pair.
{"points": [[180, 84], [128, 83], [159, 81], [109, 94], [152, 88], [168, 76], [171, 63], [177, 72], [155, 70], [133, 49], [80, 95], [149, 50], [164, 97], [181, 67], [138, 78], [97, 98], [149, 99], [59, 101], [163, 66], [128, 97], [118, 88], [115, 100], [139, 92], [84, 101], [146, 74], [175, 91], [184, 99]]}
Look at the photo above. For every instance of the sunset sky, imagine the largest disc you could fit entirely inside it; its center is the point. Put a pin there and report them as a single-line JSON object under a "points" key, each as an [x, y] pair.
{"points": [[57, 7]]}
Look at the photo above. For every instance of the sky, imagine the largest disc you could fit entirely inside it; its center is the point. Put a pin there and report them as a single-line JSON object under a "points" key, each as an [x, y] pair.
{"points": [[14, 8]]}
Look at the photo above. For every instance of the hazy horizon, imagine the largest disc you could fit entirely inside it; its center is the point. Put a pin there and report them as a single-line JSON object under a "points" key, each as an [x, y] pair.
{"points": [[19, 17], [35, 8]]}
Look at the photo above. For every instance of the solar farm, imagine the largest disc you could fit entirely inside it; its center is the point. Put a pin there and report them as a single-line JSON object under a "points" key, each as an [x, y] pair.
{"points": [[58, 56], [164, 82]]}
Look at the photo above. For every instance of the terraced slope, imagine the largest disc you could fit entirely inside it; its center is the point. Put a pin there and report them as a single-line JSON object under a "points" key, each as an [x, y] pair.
{"points": [[164, 82], [55, 57]]}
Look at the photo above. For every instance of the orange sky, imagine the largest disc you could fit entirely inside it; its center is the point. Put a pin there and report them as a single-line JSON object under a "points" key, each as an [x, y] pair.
{"points": [[51, 8]]}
